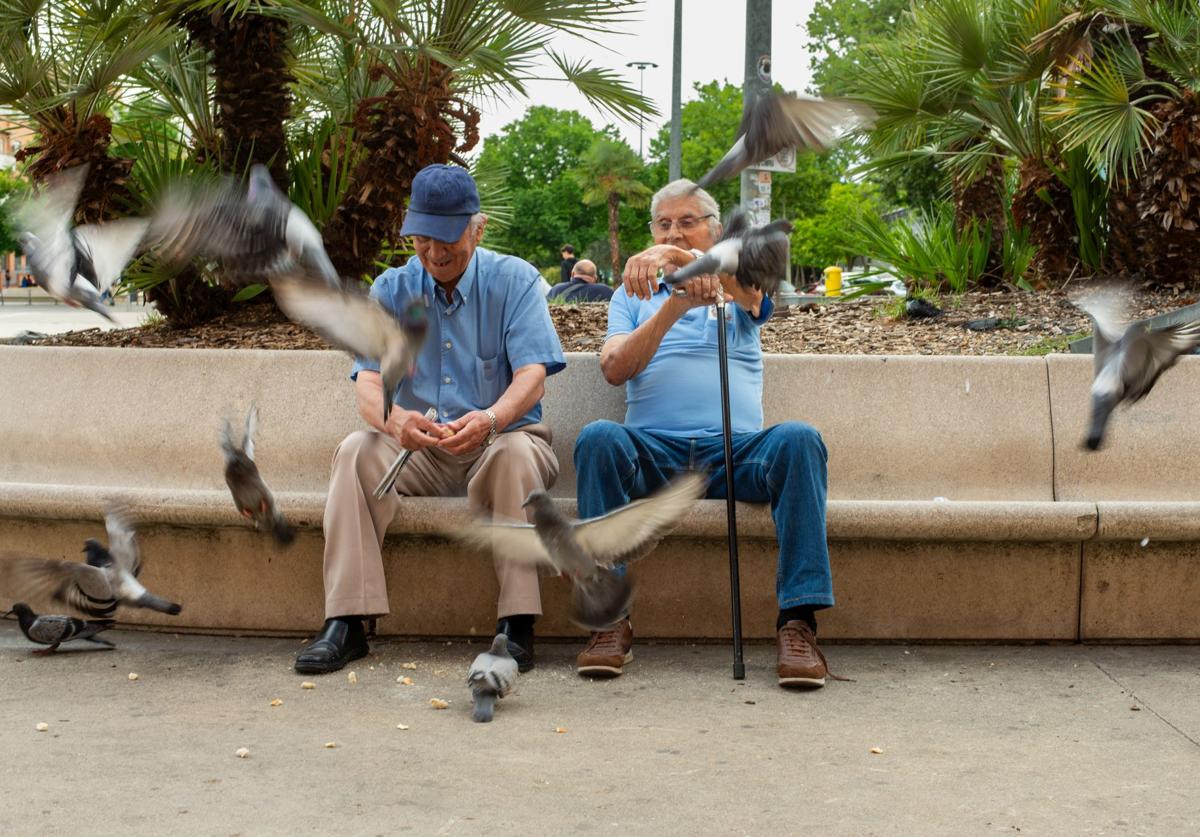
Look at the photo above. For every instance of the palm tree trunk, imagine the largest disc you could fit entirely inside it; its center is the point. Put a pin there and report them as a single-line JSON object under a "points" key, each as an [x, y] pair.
{"points": [[1042, 204], [65, 144], [253, 98], [982, 201], [614, 248]]}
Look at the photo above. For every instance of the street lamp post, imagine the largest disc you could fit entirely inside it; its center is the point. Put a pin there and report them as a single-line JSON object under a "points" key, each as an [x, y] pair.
{"points": [[642, 66]]}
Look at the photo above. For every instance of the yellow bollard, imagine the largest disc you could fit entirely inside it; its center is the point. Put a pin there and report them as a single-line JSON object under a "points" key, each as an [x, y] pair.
{"points": [[833, 281]]}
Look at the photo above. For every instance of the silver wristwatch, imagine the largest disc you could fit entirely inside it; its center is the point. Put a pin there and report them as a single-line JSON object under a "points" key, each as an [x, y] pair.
{"points": [[491, 436]]}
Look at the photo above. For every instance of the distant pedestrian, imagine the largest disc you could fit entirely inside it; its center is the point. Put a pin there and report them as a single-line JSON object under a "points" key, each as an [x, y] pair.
{"points": [[581, 287], [568, 262]]}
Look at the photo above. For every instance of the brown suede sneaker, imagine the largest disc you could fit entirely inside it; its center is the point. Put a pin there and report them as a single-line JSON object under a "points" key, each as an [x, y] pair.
{"points": [[801, 662], [607, 652]]}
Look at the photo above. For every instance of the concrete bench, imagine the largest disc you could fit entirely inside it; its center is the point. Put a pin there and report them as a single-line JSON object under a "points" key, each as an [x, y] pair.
{"points": [[999, 558]]}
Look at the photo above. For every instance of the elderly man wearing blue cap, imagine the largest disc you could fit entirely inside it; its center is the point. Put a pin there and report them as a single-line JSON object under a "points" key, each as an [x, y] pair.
{"points": [[482, 369]]}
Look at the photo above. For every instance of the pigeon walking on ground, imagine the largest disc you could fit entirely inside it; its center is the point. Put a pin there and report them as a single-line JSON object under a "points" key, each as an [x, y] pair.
{"points": [[255, 231], [96, 588], [784, 120], [1128, 357], [250, 494], [756, 256], [55, 630], [493, 675], [74, 264], [358, 324], [591, 551]]}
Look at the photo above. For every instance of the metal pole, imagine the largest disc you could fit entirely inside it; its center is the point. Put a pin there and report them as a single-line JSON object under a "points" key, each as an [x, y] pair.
{"points": [[642, 67], [675, 165], [757, 80], [735, 583]]}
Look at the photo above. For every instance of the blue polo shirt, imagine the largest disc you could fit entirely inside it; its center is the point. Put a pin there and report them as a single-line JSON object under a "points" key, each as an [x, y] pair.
{"points": [[496, 321], [679, 391]]}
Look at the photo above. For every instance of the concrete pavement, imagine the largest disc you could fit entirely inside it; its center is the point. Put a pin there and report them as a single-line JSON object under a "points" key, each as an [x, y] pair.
{"points": [[49, 318], [974, 740]]}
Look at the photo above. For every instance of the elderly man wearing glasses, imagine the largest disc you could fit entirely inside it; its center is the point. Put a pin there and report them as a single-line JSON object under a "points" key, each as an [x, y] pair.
{"points": [[663, 347]]}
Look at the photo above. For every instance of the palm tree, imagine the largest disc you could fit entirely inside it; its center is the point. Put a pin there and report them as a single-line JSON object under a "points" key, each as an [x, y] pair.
{"points": [[964, 82], [64, 67], [607, 174], [426, 63], [1129, 102]]}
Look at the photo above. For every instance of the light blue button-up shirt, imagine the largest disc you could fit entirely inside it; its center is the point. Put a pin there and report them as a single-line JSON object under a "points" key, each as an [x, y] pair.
{"points": [[496, 322], [679, 391]]}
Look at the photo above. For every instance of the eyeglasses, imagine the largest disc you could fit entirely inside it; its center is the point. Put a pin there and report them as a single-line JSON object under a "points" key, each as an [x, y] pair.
{"points": [[686, 224]]}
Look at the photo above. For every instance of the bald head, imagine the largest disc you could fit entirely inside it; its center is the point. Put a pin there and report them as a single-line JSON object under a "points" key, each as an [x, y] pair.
{"points": [[585, 269]]}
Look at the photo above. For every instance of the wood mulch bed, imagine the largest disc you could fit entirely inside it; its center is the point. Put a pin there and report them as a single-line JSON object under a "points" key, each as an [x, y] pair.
{"points": [[1024, 323]]}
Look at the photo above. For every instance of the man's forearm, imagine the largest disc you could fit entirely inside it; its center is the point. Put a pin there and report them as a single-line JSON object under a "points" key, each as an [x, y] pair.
{"points": [[368, 391], [527, 388], [627, 355]]}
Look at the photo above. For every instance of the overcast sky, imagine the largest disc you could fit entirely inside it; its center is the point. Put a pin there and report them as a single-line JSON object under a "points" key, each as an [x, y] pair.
{"points": [[714, 33]]}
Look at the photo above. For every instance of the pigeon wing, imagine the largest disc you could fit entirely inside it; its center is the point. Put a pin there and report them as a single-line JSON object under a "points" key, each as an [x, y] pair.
{"points": [[351, 321], [48, 218], [510, 541], [1150, 353], [1106, 310], [51, 630], [251, 431], [763, 262], [85, 588], [122, 541], [111, 245], [808, 123], [631, 531]]}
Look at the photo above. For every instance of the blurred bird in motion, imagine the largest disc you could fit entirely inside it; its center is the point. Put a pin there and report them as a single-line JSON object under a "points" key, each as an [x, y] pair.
{"points": [[1128, 358], [756, 256], [255, 231], [75, 264], [250, 494], [358, 324], [776, 121], [592, 553]]}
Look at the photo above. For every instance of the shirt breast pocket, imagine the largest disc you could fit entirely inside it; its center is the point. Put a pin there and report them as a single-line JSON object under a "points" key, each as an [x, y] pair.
{"points": [[489, 379]]}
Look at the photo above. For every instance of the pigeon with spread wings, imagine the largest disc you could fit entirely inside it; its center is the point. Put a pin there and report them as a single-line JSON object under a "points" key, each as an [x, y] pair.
{"points": [[250, 493], [591, 551], [1128, 357], [75, 264], [784, 120], [98, 587], [756, 256], [255, 231], [358, 324]]}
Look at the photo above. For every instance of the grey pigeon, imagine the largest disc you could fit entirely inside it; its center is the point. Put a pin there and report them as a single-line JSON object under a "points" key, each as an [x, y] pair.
{"points": [[590, 551], [74, 264], [756, 256], [356, 323], [95, 588], [255, 231], [777, 121], [493, 675], [250, 494], [1128, 357], [55, 630]]}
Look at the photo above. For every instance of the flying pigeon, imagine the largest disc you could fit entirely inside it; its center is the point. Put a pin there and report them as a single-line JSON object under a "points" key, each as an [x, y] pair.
{"points": [[493, 675], [55, 630], [250, 494], [74, 264], [1128, 357], [255, 231], [756, 256], [776, 121], [591, 551], [95, 588], [358, 324]]}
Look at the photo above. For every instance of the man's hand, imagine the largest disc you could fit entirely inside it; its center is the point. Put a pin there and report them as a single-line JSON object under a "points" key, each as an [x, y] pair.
{"points": [[641, 270], [469, 432], [412, 430], [698, 291]]}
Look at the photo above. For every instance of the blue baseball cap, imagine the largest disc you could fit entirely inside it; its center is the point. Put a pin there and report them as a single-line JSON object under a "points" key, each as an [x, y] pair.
{"points": [[442, 202]]}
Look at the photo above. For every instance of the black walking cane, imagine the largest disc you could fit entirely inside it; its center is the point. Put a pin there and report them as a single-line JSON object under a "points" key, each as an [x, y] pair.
{"points": [[735, 585]]}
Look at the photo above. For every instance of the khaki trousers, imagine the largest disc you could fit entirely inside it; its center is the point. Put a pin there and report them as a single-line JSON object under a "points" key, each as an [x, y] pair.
{"points": [[497, 478]]}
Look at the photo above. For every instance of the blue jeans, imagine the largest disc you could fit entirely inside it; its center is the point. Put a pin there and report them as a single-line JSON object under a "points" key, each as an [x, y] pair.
{"points": [[784, 465]]}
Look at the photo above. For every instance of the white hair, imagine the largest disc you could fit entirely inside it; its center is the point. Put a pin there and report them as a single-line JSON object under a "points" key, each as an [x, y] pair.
{"points": [[684, 188]]}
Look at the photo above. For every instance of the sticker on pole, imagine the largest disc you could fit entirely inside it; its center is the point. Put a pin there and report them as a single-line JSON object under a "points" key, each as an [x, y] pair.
{"points": [[783, 161]]}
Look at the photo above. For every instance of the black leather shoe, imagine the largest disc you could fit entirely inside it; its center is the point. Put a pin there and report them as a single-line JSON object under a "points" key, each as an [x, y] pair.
{"points": [[340, 641], [520, 644]]}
